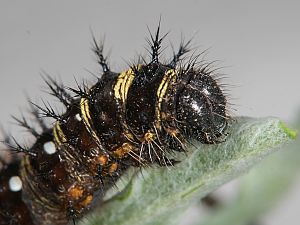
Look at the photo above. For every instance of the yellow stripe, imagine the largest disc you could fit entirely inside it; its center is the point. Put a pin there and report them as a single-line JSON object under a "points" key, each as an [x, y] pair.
{"points": [[85, 111], [87, 120], [59, 135], [123, 83], [161, 91]]}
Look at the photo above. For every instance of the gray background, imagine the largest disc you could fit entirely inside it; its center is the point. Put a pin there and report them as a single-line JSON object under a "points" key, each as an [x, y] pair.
{"points": [[256, 41]]}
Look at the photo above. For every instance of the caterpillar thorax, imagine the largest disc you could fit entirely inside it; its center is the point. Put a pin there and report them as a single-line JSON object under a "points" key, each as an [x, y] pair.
{"points": [[133, 118]]}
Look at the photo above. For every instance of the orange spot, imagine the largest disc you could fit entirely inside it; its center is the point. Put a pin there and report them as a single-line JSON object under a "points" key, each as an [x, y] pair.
{"points": [[148, 137], [113, 168], [121, 151], [173, 132], [102, 160], [86, 201], [129, 135], [75, 192]]}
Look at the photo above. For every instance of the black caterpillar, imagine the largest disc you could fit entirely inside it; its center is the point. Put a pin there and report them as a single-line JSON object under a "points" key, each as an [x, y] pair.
{"points": [[133, 118]]}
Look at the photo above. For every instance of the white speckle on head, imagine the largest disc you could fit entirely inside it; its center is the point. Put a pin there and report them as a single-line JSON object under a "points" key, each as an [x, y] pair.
{"points": [[15, 184], [49, 147], [196, 107], [78, 117], [205, 91]]}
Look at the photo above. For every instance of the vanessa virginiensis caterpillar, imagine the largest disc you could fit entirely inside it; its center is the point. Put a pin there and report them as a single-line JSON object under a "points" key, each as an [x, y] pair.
{"points": [[133, 118]]}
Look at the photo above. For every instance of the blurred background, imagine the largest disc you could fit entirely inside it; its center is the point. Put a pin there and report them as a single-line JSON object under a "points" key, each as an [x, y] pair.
{"points": [[257, 42]]}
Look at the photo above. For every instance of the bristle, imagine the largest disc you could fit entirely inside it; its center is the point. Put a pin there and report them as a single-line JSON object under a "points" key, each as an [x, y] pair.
{"points": [[36, 114], [6, 135], [99, 175], [48, 111], [155, 43], [23, 123], [184, 48], [98, 50], [71, 213], [16, 147], [80, 91], [58, 90]]}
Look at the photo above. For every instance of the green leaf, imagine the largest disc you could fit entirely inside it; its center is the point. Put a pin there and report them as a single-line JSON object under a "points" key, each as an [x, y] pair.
{"points": [[160, 195], [262, 188]]}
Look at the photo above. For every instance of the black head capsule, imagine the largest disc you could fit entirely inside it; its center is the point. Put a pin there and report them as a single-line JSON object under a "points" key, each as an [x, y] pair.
{"points": [[201, 107]]}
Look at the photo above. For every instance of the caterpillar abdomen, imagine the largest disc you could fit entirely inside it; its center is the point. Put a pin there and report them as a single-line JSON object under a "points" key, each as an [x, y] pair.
{"points": [[133, 118]]}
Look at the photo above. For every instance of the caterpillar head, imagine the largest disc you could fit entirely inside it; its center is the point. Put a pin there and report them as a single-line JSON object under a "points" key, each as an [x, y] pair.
{"points": [[201, 107]]}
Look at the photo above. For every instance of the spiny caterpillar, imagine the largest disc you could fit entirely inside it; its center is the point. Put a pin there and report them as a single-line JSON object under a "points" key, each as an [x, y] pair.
{"points": [[133, 118]]}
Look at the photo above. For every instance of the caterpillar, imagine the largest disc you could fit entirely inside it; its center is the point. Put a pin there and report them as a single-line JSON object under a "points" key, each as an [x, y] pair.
{"points": [[134, 118]]}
